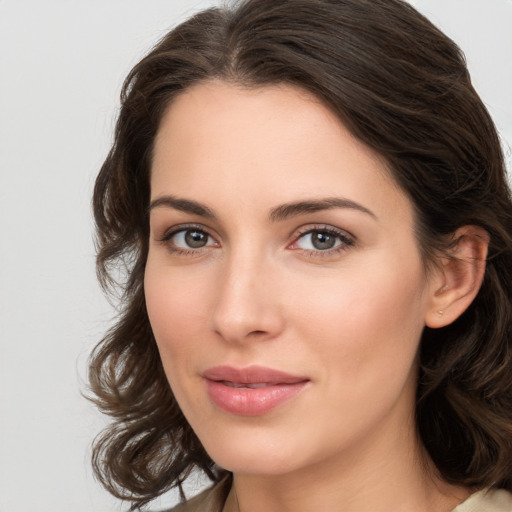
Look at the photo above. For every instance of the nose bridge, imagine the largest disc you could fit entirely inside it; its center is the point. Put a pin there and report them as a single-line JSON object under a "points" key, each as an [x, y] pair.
{"points": [[246, 302]]}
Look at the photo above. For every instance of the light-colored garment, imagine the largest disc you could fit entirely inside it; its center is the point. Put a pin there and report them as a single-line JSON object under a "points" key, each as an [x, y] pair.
{"points": [[212, 500], [494, 500]]}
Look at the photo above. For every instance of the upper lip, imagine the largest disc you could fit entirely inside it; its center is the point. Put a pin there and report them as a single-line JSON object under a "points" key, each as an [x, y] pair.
{"points": [[251, 375]]}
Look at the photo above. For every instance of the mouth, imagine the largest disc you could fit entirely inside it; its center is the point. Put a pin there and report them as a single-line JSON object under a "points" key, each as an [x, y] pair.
{"points": [[251, 376], [251, 391], [240, 385]]}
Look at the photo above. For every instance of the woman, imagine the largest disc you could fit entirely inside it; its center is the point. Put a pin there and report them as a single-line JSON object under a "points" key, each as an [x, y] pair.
{"points": [[309, 204]]}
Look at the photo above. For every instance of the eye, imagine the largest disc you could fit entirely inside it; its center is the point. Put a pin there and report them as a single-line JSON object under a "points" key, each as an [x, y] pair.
{"points": [[190, 239], [323, 240], [318, 240], [187, 239]]}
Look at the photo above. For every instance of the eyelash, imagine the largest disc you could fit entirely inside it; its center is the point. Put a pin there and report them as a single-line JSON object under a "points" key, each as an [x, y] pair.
{"points": [[168, 235], [345, 239]]}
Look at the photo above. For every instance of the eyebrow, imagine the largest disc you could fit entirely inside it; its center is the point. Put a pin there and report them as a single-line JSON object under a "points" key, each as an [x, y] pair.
{"points": [[280, 213], [183, 205], [285, 211]]}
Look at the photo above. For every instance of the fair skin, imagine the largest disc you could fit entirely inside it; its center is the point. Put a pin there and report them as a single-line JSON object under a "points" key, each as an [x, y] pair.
{"points": [[333, 292]]}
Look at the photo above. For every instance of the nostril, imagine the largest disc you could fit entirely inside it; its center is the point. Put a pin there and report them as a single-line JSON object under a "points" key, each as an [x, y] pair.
{"points": [[257, 332]]}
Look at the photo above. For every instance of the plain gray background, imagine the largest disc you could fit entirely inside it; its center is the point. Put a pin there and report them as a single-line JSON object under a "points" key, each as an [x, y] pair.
{"points": [[62, 63]]}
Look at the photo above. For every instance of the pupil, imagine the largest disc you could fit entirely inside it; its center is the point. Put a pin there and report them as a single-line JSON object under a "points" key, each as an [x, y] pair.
{"points": [[195, 239], [323, 241]]}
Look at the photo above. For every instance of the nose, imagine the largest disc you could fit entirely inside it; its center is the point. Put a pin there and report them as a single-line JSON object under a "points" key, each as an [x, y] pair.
{"points": [[247, 301]]}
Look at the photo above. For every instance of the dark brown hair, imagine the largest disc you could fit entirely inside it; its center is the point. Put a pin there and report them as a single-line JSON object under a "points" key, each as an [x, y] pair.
{"points": [[401, 87]]}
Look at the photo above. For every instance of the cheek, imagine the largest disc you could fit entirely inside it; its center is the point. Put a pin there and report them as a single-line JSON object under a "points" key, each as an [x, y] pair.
{"points": [[368, 320], [176, 305], [362, 334]]}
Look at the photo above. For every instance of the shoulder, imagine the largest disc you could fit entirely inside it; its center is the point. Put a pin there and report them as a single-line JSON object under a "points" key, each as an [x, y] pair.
{"points": [[210, 500], [487, 500]]}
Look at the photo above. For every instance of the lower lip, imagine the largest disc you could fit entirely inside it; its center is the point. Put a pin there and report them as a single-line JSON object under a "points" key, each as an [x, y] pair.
{"points": [[251, 401]]}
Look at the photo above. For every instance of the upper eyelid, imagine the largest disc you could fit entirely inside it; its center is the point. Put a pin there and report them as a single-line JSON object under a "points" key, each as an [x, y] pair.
{"points": [[348, 240], [173, 230], [173, 247], [308, 228]]}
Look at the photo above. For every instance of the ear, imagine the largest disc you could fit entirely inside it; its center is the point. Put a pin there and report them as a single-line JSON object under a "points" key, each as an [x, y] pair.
{"points": [[459, 277]]}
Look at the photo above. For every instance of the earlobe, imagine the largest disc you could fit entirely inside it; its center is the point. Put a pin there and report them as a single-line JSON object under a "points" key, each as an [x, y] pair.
{"points": [[459, 277]]}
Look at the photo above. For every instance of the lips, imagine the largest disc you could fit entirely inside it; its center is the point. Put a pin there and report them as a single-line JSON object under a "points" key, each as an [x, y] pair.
{"points": [[251, 391]]}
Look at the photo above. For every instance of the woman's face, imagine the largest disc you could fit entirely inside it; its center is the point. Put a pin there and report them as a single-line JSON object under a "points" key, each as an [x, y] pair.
{"points": [[284, 283]]}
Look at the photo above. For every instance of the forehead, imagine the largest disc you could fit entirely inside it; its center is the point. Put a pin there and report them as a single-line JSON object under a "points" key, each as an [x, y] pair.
{"points": [[272, 144]]}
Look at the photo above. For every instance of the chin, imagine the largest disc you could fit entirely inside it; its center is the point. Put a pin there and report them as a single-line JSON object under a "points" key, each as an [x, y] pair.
{"points": [[255, 462], [260, 452]]}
